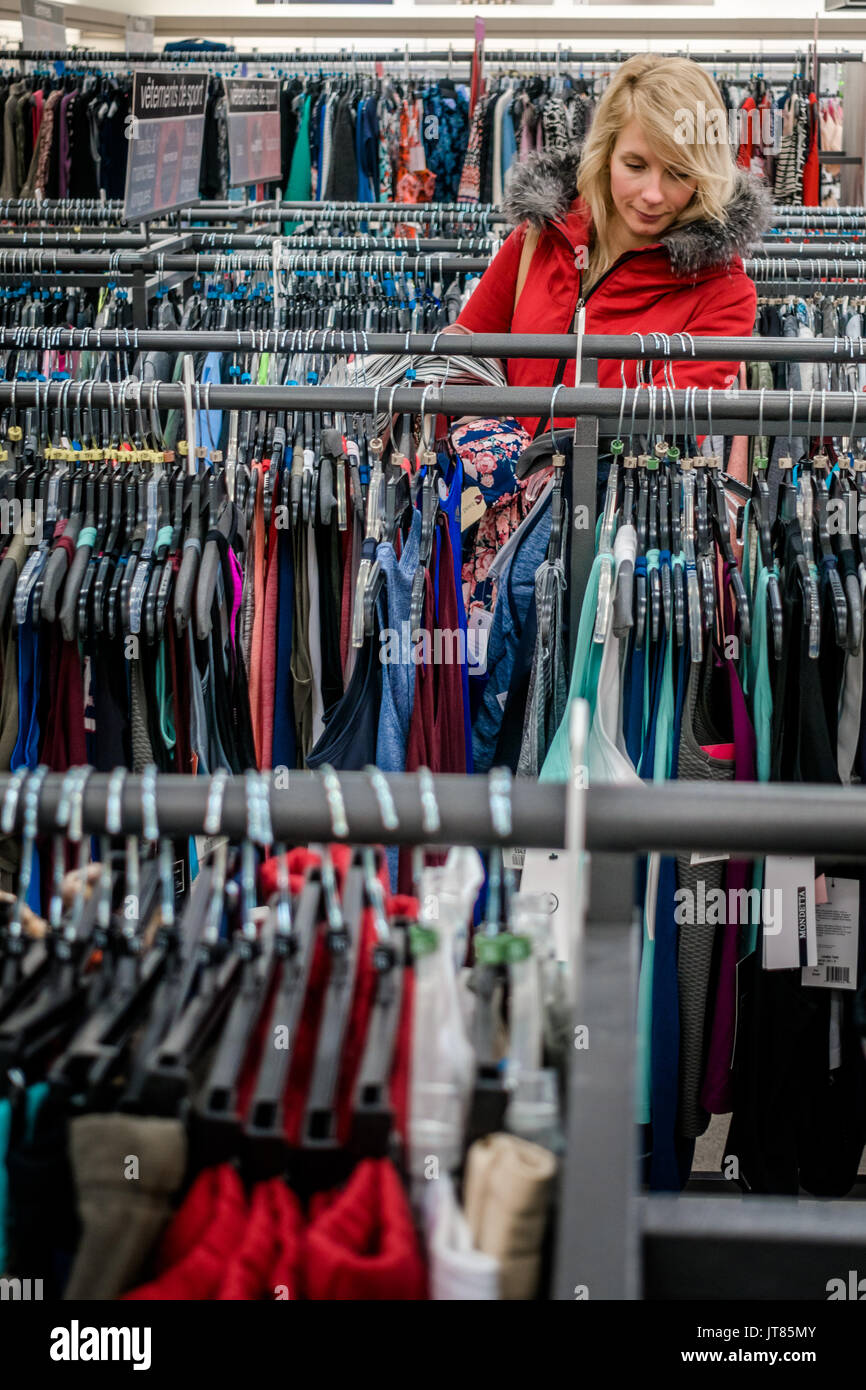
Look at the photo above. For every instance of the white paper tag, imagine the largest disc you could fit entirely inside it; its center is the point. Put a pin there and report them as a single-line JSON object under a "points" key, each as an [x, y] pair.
{"points": [[478, 626], [788, 912], [206, 844], [546, 872], [514, 858], [837, 928], [711, 857]]}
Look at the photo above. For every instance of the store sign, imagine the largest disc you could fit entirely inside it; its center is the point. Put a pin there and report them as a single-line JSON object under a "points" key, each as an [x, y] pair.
{"points": [[166, 131], [139, 34], [253, 116], [43, 25]]}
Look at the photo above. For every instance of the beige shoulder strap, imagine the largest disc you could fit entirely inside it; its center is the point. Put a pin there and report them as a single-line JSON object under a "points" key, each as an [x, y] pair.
{"points": [[529, 244]]}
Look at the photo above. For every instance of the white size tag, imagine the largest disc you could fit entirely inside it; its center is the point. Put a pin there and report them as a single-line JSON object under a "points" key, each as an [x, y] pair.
{"points": [[514, 858], [205, 846], [478, 626], [711, 857], [837, 927], [788, 912], [546, 872]]}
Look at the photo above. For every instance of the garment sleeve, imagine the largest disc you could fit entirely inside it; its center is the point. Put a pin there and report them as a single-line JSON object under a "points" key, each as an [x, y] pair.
{"points": [[490, 306]]}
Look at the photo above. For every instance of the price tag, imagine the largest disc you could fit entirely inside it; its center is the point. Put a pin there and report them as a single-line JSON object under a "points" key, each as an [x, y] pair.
{"points": [[788, 912], [837, 926]]}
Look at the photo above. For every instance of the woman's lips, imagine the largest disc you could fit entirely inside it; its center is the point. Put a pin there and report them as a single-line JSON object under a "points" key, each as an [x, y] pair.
{"points": [[648, 217]]}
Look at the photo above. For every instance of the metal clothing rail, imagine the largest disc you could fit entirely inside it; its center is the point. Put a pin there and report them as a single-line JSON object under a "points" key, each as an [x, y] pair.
{"points": [[361, 242], [20, 260], [679, 347], [560, 55], [39, 239], [632, 410], [668, 817]]}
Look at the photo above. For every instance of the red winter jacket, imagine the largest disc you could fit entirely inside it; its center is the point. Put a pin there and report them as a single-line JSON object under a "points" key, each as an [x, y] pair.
{"points": [[690, 281]]}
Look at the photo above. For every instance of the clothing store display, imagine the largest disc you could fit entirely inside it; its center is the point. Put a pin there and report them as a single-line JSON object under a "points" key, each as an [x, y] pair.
{"points": [[334, 646]]}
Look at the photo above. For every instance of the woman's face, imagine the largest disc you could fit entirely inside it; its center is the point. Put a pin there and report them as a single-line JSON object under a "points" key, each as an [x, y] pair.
{"points": [[647, 193]]}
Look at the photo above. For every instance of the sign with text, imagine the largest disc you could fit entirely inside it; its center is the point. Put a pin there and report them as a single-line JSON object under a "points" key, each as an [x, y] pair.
{"points": [[253, 115], [43, 25], [139, 33], [165, 130]]}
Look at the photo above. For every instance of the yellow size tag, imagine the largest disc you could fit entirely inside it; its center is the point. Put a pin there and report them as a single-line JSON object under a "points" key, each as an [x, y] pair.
{"points": [[15, 432]]}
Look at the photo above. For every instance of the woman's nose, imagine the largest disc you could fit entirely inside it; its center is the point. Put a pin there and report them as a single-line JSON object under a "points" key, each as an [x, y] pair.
{"points": [[652, 189]]}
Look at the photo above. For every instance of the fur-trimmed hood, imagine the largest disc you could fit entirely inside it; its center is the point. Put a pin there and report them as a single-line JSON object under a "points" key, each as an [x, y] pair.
{"points": [[542, 189]]}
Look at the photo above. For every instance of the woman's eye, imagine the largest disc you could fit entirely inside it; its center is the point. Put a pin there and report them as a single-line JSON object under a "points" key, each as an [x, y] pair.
{"points": [[636, 167], [678, 174]]}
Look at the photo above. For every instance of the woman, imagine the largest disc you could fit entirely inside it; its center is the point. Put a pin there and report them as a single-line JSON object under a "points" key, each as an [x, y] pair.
{"points": [[644, 228]]}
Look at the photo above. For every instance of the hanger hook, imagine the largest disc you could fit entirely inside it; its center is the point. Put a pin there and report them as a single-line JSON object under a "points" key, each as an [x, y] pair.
{"points": [[336, 804], [387, 809], [430, 818], [556, 391]]}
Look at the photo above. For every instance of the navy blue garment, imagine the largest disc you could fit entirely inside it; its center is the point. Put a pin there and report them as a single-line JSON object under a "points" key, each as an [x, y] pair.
{"points": [[633, 693], [26, 750], [516, 594], [285, 745], [664, 1168], [450, 504], [445, 136], [348, 742], [368, 143]]}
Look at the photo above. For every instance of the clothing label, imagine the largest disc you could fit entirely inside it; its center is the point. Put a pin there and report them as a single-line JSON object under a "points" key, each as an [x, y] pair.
{"points": [[711, 857], [514, 858], [546, 872], [206, 844], [788, 912], [478, 627], [837, 926], [472, 507], [179, 878]]}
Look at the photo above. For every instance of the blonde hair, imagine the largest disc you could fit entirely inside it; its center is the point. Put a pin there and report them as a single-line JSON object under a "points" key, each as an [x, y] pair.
{"points": [[676, 105]]}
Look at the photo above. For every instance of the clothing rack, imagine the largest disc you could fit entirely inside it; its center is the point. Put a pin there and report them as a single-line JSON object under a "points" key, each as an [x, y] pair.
{"points": [[653, 347], [22, 260], [526, 55], [739, 414], [610, 1241], [667, 817]]}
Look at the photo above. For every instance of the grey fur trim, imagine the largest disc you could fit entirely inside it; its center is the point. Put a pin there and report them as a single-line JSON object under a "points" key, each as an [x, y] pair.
{"points": [[542, 189]]}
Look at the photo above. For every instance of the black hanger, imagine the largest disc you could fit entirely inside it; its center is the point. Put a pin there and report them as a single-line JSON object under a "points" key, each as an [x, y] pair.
{"points": [[264, 1134]]}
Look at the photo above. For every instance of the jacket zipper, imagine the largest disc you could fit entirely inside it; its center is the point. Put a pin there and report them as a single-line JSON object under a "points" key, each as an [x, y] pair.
{"points": [[560, 367]]}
